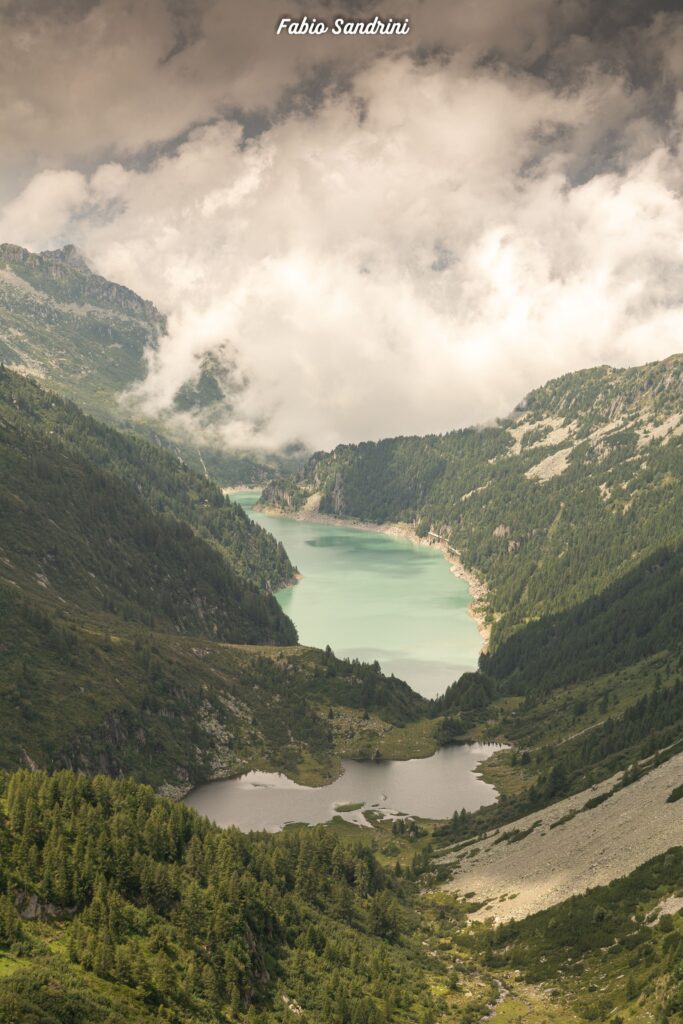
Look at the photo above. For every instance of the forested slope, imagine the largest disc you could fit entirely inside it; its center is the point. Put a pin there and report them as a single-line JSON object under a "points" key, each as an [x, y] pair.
{"points": [[171, 709], [166, 484], [551, 506], [82, 535], [635, 617], [138, 634], [166, 917], [119, 907], [88, 339], [571, 511]]}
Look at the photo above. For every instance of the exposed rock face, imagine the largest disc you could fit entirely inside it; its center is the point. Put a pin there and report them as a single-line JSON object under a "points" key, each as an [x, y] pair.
{"points": [[88, 338], [30, 908], [82, 334], [63, 276]]}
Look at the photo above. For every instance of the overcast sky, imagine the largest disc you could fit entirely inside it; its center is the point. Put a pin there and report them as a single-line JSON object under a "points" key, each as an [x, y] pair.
{"points": [[378, 235]]}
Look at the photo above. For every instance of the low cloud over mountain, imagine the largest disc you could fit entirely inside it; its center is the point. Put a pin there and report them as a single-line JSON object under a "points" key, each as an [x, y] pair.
{"points": [[399, 231]]}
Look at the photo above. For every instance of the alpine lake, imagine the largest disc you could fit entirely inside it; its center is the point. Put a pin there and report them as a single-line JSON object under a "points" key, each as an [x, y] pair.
{"points": [[377, 598]]}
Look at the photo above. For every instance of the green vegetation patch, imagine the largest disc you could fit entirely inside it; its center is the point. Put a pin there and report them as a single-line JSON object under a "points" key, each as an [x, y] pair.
{"points": [[161, 915]]}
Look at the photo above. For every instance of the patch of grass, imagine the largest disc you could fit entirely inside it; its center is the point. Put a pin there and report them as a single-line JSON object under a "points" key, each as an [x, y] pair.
{"points": [[514, 835], [567, 712], [415, 740], [9, 964], [348, 830], [509, 778], [316, 770], [368, 737]]}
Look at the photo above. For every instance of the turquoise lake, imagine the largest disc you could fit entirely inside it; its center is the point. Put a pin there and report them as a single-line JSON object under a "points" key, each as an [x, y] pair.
{"points": [[377, 598], [380, 598]]}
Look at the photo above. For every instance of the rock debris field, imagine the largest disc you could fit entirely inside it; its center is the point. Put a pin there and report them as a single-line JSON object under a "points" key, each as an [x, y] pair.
{"points": [[515, 879]]}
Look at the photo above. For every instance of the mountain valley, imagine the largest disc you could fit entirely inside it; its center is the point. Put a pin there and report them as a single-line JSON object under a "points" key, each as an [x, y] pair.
{"points": [[143, 652]]}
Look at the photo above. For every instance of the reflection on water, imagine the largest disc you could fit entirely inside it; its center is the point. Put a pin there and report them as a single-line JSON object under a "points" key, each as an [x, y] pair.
{"points": [[430, 787]]}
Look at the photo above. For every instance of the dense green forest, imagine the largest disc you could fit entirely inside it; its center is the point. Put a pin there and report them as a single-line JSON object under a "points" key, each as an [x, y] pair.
{"points": [[159, 915], [88, 339], [638, 615], [118, 906], [165, 483], [84, 534], [605, 678]]}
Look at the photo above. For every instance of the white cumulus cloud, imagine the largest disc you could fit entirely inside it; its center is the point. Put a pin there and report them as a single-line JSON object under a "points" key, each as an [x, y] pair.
{"points": [[415, 249]]}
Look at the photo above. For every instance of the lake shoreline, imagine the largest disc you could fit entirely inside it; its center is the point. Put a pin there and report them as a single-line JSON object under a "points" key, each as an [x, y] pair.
{"points": [[389, 788], [179, 793], [478, 589]]}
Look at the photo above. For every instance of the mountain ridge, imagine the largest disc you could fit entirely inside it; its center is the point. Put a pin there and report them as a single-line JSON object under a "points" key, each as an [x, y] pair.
{"points": [[138, 629], [515, 498], [88, 339], [168, 484], [574, 526]]}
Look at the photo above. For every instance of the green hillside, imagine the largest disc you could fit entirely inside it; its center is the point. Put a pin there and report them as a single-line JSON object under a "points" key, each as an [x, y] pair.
{"points": [[139, 637], [570, 512], [82, 535], [154, 914], [116, 906], [635, 617], [169, 709], [166, 484], [87, 339], [136, 617], [550, 506]]}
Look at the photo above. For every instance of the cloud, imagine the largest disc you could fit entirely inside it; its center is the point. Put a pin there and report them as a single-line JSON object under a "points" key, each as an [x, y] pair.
{"points": [[44, 208], [433, 234], [80, 80]]}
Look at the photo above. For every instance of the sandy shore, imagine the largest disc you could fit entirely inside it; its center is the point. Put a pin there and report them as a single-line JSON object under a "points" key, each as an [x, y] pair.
{"points": [[477, 587]]}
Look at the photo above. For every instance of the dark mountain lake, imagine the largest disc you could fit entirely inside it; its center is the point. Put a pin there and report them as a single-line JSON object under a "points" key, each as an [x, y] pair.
{"points": [[430, 787]]}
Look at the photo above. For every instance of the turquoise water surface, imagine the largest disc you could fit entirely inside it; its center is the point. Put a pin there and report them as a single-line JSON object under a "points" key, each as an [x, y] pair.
{"points": [[375, 597]]}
